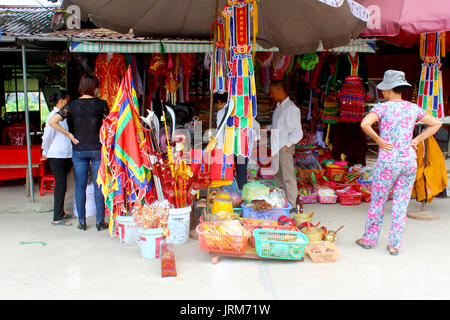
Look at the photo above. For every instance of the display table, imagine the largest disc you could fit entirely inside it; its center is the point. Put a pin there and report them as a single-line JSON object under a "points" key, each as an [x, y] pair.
{"points": [[14, 163]]}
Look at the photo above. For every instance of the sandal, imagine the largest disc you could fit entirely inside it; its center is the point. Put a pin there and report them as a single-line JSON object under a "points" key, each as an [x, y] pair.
{"points": [[67, 217], [393, 251], [361, 243], [61, 223]]}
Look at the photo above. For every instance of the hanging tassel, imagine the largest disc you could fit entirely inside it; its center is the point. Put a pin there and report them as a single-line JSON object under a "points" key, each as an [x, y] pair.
{"points": [[422, 45], [443, 44], [255, 26], [227, 32]]}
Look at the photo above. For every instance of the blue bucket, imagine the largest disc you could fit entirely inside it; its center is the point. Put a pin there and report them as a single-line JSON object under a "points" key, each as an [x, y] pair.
{"points": [[150, 241]]}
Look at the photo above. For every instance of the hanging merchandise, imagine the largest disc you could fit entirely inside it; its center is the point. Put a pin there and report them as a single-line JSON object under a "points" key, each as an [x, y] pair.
{"points": [[131, 60], [157, 69], [171, 83], [309, 61], [353, 97], [280, 64], [110, 69], [188, 61], [241, 78], [430, 88], [124, 175], [265, 61], [219, 63]]}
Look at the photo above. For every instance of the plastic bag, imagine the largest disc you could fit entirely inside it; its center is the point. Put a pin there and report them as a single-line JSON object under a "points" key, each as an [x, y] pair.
{"points": [[278, 198], [253, 190]]}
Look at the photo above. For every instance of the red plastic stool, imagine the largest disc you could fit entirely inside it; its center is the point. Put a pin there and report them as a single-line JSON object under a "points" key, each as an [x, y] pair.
{"points": [[47, 179], [47, 184]]}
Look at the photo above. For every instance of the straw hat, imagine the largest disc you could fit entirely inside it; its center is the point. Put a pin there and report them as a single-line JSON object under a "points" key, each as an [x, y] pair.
{"points": [[393, 79]]}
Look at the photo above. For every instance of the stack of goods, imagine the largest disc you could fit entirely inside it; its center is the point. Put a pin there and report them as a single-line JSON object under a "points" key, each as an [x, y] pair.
{"points": [[265, 110], [308, 194], [262, 202], [307, 143], [365, 182], [335, 170]]}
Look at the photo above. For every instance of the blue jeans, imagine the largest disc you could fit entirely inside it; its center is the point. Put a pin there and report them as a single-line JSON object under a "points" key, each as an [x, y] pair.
{"points": [[81, 160]]}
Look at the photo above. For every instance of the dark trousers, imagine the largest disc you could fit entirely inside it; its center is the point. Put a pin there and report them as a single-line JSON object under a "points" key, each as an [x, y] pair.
{"points": [[60, 167], [241, 170]]}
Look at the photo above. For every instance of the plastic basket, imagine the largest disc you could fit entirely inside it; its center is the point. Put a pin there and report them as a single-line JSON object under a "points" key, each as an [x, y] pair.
{"points": [[216, 242], [323, 256], [350, 200], [331, 172], [328, 199], [306, 174], [251, 227], [272, 214], [280, 244], [309, 199]]}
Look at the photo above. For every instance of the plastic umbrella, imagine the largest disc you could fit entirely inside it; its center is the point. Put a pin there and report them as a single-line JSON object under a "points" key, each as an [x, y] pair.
{"points": [[294, 26], [406, 17]]}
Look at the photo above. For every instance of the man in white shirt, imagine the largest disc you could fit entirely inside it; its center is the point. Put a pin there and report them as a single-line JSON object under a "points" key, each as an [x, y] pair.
{"points": [[286, 132]]}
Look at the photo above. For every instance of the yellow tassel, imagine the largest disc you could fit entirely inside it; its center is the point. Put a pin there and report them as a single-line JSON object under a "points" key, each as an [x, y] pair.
{"points": [[422, 45], [443, 44], [255, 26], [327, 138], [227, 31]]}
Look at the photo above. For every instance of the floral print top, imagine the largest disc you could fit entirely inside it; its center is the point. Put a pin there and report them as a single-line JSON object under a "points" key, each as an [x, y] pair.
{"points": [[397, 120]]}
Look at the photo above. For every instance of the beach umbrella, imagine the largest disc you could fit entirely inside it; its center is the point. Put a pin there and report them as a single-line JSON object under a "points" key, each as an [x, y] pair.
{"points": [[406, 17], [294, 26]]}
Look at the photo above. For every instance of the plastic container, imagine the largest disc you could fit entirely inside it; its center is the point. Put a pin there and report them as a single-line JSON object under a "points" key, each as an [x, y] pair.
{"points": [[150, 241], [350, 200], [272, 214], [280, 244], [263, 224], [217, 242], [306, 174], [178, 223], [328, 199], [309, 199], [323, 256], [127, 229]]}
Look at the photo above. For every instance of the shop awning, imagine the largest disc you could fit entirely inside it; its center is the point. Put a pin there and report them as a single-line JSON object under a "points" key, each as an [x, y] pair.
{"points": [[359, 45]]}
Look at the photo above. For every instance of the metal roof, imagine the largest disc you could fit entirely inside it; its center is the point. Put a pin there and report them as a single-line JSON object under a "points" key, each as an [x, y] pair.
{"points": [[26, 20]]}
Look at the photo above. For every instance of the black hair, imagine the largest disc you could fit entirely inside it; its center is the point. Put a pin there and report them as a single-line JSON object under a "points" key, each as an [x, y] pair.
{"points": [[220, 97], [58, 95], [400, 89], [278, 84]]}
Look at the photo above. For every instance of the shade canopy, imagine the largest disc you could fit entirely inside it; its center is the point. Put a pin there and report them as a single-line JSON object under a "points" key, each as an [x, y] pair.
{"points": [[406, 17], [292, 26]]}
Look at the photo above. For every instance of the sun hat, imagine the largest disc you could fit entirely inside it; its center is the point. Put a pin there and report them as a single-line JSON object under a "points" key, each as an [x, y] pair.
{"points": [[393, 79]]}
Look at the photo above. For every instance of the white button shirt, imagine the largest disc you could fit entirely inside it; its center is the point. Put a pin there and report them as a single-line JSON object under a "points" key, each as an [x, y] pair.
{"points": [[286, 119], [54, 143]]}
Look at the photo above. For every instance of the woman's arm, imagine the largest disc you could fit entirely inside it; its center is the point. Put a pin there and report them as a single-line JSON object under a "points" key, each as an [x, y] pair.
{"points": [[366, 126], [54, 122], [433, 125]]}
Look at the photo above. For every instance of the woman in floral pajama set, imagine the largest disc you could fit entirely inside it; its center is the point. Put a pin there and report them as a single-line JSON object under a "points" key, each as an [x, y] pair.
{"points": [[396, 165]]}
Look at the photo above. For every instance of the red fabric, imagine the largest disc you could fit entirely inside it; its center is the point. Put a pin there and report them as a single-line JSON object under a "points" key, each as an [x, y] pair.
{"points": [[408, 63], [216, 164], [110, 74], [18, 155]]}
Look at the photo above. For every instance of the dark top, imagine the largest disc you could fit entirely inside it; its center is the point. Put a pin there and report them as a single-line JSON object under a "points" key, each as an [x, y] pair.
{"points": [[85, 118]]}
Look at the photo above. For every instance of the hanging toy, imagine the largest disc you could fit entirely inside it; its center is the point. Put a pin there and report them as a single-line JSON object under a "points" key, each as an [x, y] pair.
{"points": [[219, 62], [241, 78], [430, 96]]}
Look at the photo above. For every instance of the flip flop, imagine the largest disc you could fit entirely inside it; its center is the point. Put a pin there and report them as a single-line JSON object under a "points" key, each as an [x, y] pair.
{"points": [[393, 253], [61, 223], [365, 246]]}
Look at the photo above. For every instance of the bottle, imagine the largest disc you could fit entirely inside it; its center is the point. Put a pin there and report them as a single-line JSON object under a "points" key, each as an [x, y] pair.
{"points": [[299, 204]]}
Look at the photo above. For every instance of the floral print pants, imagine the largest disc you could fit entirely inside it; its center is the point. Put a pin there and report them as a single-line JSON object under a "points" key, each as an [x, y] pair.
{"points": [[397, 175]]}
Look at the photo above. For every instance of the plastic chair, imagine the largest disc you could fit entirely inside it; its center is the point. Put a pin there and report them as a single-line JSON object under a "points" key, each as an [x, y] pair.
{"points": [[47, 184], [17, 134]]}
